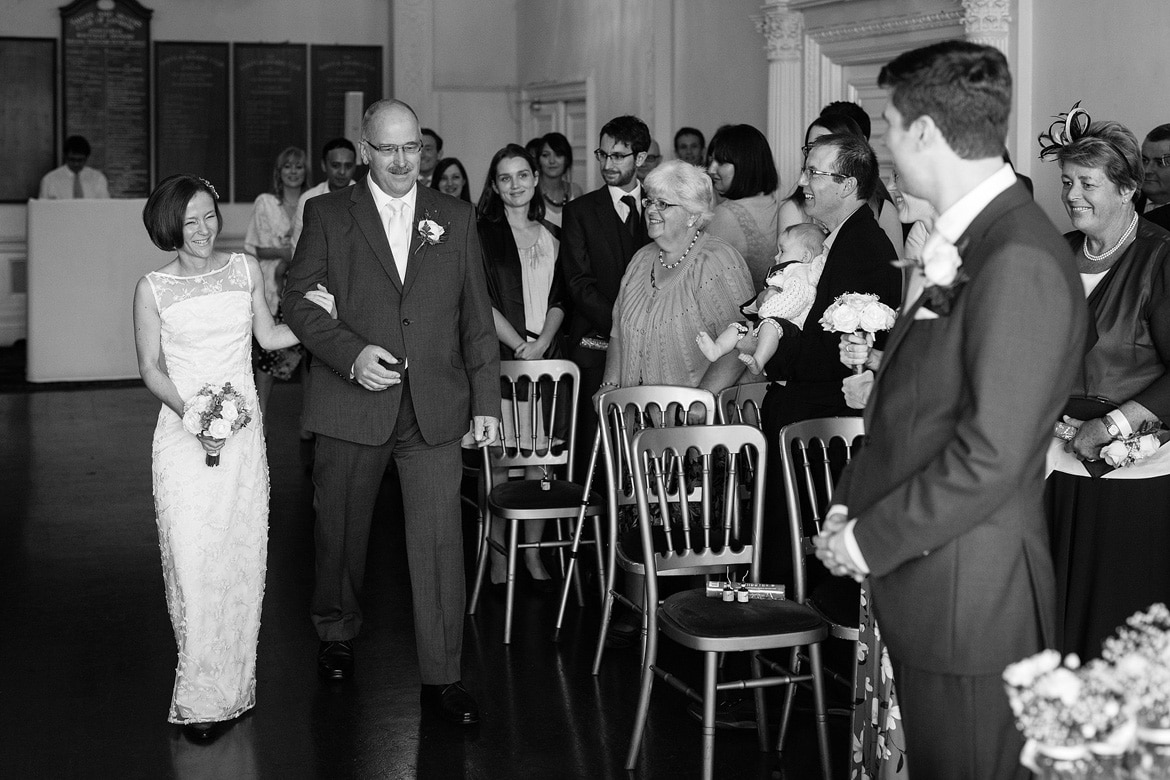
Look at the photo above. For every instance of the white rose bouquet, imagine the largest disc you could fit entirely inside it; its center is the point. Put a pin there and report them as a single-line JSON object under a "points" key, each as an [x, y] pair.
{"points": [[216, 412], [860, 313]]}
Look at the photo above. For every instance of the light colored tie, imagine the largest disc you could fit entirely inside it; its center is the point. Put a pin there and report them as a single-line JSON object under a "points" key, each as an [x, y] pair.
{"points": [[399, 234], [78, 193]]}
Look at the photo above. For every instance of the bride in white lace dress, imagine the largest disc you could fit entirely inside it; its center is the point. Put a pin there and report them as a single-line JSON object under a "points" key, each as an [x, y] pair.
{"points": [[194, 320]]}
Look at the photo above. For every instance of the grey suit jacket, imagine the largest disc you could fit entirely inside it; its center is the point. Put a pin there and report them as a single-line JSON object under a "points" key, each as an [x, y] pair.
{"points": [[948, 488], [439, 318]]}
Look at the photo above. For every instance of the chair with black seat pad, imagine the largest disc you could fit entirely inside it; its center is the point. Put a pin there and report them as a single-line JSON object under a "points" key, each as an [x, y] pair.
{"points": [[623, 412], [811, 453], [541, 396], [700, 539]]}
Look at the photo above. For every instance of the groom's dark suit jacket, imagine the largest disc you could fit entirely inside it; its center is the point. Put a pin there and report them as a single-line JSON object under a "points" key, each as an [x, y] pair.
{"points": [[439, 317], [948, 488]]}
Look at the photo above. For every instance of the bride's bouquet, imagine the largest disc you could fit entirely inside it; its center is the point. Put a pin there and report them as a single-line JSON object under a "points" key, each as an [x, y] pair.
{"points": [[217, 412], [860, 313]]}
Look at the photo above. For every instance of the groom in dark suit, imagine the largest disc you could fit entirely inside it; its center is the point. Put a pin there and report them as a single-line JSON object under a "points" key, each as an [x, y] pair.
{"points": [[408, 364], [942, 509]]}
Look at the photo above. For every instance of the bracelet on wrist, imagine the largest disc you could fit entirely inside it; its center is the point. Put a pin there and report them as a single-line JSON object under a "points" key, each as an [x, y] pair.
{"points": [[614, 385]]}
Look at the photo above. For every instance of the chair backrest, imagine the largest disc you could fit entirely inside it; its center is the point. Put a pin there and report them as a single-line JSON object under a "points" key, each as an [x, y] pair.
{"points": [[539, 413], [808, 457], [707, 538], [742, 403], [624, 412]]}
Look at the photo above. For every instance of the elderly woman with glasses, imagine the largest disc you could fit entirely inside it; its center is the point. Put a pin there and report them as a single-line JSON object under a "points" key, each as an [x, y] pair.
{"points": [[1108, 521], [683, 282]]}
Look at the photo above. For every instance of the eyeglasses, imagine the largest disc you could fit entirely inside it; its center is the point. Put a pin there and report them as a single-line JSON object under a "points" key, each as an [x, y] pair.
{"points": [[806, 149], [811, 172], [616, 157], [1157, 162], [409, 148], [658, 203]]}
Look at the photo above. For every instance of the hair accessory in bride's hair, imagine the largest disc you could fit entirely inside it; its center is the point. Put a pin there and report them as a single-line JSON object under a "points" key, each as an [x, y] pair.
{"points": [[210, 188], [1067, 129]]}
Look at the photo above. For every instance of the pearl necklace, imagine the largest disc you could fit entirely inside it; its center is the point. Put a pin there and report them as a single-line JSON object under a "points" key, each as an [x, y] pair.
{"points": [[1112, 249], [683, 256]]}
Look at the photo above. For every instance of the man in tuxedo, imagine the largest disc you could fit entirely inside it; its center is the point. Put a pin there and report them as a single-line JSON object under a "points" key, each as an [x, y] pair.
{"points": [[600, 232], [1156, 186], [942, 508], [410, 361]]}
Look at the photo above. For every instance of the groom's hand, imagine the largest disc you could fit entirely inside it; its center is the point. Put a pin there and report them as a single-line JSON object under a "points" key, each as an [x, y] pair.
{"points": [[484, 430], [831, 549], [370, 373]]}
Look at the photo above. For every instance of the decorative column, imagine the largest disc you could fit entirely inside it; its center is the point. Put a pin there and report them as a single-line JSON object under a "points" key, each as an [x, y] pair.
{"points": [[988, 22], [783, 30], [412, 36]]}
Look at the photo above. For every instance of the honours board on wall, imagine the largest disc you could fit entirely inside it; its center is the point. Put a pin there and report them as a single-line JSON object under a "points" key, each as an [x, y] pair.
{"points": [[271, 110], [28, 99], [191, 111], [106, 73]]}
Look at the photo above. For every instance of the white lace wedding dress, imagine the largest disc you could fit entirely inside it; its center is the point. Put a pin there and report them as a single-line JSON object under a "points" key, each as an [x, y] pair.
{"points": [[212, 521]]}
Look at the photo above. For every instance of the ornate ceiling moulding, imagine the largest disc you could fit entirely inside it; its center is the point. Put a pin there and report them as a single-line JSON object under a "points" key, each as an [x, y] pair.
{"points": [[882, 27], [783, 32], [987, 21]]}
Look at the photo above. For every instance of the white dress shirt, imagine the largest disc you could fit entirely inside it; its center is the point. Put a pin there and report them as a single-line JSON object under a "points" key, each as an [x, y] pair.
{"points": [[57, 184], [382, 201], [617, 193]]}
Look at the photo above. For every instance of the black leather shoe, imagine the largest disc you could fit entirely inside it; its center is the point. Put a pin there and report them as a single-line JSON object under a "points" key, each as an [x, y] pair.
{"points": [[450, 702], [335, 660]]}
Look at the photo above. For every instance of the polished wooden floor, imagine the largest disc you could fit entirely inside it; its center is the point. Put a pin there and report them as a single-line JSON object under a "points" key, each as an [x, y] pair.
{"points": [[88, 657]]}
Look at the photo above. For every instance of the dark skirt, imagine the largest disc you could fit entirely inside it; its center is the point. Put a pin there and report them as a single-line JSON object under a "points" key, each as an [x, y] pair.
{"points": [[1111, 549]]}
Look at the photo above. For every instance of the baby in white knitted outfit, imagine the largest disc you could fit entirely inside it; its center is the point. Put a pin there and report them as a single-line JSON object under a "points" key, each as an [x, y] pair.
{"points": [[789, 291]]}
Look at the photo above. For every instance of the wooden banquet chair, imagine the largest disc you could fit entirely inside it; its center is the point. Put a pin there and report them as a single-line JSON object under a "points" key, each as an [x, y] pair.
{"points": [[538, 433], [705, 538], [808, 489], [623, 412]]}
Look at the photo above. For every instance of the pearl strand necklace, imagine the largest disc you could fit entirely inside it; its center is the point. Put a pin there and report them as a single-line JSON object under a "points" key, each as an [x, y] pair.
{"points": [[1112, 249], [683, 256]]}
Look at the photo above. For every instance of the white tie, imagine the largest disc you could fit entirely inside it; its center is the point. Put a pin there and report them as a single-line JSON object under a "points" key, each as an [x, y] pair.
{"points": [[398, 231]]}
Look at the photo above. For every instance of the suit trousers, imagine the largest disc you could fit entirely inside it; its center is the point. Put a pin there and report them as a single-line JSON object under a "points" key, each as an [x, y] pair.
{"points": [[347, 477], [958, 727]]}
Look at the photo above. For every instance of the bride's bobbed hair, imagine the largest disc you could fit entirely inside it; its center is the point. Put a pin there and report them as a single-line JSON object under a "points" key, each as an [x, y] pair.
{"points": [[166, 208]]}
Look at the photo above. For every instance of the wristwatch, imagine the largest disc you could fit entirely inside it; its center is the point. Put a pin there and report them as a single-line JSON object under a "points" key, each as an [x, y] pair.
{"points": [[1112, 427]]}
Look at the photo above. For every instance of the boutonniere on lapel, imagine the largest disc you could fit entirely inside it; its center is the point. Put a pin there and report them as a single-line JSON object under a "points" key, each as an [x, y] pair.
{"points": [[941, 266], [430, 232]]}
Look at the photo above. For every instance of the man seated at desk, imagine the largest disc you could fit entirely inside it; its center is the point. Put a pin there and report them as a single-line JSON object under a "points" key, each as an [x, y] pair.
{"points": [[74, 179]]}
